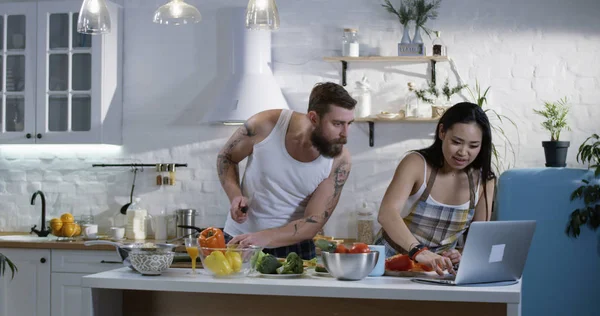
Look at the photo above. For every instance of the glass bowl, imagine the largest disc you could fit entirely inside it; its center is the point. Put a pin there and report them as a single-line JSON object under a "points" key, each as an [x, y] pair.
{"points": [[231, 262]]}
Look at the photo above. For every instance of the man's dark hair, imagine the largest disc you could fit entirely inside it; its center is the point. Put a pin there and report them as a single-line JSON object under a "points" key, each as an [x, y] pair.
{"points": [[325, 94]]}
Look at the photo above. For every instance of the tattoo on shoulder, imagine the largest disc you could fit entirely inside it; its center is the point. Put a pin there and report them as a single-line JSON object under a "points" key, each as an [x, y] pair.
{"points": [[225, 158]]}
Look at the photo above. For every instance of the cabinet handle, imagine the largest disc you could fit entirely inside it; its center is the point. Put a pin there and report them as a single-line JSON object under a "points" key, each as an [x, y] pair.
{"points": [[43, 260], [39, 135], [111, 262], [28, 135]]}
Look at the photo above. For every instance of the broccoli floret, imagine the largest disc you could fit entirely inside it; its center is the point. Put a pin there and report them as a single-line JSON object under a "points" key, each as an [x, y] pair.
{"points": [[256, 258], [268, 264], [293, 265]]}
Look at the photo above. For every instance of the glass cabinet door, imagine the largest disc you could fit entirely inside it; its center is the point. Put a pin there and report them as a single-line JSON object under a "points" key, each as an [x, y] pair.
{"points": [[17, 72], [69, 75]]}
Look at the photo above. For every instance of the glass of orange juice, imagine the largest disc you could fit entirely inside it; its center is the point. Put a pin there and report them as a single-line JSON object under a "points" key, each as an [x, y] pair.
{"points": [[192, 248]]}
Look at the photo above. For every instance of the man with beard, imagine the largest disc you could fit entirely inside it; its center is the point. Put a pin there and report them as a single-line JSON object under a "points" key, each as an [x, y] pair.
{"points": [[296, 169]]}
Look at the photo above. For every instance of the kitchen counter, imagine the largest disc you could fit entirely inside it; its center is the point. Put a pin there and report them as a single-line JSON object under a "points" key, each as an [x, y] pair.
{"points": [[54, 243], [182, 293]]}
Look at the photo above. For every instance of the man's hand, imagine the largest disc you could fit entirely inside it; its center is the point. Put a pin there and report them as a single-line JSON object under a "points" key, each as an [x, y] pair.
{"points": [[453, 254], [237, 204], [260, 239]]}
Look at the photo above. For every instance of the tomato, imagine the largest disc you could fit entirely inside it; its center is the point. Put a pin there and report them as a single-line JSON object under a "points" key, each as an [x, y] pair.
{"points": [[399, 263], [360, 248], [341, 249]]}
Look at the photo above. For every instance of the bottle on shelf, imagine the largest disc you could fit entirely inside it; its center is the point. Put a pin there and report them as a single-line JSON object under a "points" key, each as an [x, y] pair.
{"points": [[362, 94], [350, 46], [439, 48], [411, 102]]}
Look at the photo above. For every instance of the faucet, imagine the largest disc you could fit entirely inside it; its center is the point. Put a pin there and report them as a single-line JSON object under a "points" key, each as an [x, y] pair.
{"points": [[43, 232]]}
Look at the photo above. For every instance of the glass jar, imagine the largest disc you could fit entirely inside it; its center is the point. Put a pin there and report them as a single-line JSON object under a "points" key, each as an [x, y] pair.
{"points": [[439, 48], [350, 46], [365, 223], [136, 221], [362, 94]]}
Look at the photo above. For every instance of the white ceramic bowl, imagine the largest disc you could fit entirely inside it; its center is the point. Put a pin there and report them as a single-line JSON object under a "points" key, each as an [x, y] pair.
{"points": [[151, 262]]}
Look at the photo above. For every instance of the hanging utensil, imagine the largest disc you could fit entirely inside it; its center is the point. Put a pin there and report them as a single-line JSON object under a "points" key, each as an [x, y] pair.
{"points": [[126, 206]]}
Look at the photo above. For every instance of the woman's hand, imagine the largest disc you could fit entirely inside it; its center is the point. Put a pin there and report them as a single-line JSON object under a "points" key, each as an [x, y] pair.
{"points": [[453, 254], [436, 262]]}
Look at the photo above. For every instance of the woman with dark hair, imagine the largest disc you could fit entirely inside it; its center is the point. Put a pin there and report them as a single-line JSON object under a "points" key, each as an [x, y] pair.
{"points": [[424, 213]]}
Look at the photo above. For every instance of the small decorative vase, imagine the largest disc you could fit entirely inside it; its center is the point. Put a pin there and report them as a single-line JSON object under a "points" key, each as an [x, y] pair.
{"points": [[417, 37], [405, 36]]}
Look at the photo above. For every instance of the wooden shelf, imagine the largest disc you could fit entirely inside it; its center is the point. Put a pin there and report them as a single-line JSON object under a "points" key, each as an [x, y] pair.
{"points": [[372, 119], [417, 59], [388, 59], [398, 120]]}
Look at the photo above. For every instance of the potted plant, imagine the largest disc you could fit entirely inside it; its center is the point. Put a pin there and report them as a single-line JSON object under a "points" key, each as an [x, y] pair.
{"points": [[423, 11], [404, 14], [4, 261], [480, 97], [555, 114], [590, 190]]}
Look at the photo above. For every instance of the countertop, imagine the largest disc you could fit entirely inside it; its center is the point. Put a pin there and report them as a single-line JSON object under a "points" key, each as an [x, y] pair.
{"points": [[53, 243], [309, 285]]}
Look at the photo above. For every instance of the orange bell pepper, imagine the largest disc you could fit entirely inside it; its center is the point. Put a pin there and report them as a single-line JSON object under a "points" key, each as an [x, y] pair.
{"points": [[211, 238]]}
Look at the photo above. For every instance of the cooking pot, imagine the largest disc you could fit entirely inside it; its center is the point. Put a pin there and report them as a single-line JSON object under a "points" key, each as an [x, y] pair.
{"points": [[123, 249]]}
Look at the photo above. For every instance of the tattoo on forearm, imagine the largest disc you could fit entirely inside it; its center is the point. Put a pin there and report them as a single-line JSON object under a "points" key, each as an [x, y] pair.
{"points": [[225, 158], [341, 174]]}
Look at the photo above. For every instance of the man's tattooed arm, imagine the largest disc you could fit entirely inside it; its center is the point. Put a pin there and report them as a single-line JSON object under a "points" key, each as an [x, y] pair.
{"points": [[236, 149], [319, 208], [339, 177]]}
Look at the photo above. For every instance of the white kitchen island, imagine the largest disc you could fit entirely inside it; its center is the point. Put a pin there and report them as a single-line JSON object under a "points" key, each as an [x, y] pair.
{"points": [[125, 292]]}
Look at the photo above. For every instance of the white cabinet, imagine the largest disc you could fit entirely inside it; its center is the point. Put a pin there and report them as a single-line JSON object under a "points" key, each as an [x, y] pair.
{"points": [[66, 294], [59, 86], [68, 266], [48, 282], [28, 294]]}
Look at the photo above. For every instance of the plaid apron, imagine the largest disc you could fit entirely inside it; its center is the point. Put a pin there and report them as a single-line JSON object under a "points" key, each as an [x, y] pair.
{"points": [[435, 226], [305, 249]]}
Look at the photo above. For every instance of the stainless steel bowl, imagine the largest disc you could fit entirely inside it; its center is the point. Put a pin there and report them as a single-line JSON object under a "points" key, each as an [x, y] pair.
{"points": [[349, 266]]}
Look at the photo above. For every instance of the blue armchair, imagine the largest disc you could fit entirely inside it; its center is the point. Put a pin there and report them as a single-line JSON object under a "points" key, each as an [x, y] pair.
{"points": [[562, 275]]}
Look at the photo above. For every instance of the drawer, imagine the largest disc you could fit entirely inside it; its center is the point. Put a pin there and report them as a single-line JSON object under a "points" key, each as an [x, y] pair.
{"points": [[85, 261]]}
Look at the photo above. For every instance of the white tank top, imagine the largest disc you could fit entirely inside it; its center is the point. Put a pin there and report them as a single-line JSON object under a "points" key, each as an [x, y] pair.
{"points": [[277, 185]]}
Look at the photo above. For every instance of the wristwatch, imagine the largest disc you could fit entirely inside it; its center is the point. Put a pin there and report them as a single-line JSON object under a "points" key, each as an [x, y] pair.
{"points": [[416, 250]]}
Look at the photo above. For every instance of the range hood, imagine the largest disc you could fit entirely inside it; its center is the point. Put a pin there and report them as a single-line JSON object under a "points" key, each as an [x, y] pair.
{"points": [[249, 86]]}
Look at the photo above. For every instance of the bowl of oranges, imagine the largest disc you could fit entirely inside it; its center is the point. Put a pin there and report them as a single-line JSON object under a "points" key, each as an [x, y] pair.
{"points": [[65, 226]]}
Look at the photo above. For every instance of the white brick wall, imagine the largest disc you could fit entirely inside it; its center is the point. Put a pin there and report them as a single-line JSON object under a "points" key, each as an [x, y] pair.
{"points": [[527, 51]]}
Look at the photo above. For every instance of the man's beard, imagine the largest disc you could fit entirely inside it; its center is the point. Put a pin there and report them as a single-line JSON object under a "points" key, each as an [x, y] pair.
{"points": [[325, 147]]}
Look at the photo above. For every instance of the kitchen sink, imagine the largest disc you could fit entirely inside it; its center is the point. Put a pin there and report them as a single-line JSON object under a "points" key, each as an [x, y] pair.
{"points": [[27, 238]]}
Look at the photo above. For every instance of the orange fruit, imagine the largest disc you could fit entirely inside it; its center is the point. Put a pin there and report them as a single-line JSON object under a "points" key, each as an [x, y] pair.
{"points": [[68, 229], [56, 224], [77, 230], [57, 232], [67, 218]]}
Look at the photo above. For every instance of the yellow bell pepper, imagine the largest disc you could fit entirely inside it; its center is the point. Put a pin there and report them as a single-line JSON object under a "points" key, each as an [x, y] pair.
{"points": [[235, 260], [218, 264]]}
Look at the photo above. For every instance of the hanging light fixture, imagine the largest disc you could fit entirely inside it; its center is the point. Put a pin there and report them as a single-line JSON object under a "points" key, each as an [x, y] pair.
{"points": [[177, 12], [93, 17], [262, 15]]}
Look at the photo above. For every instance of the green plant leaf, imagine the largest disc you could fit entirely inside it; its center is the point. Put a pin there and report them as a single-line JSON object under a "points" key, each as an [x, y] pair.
{"points": [[4, 261]]}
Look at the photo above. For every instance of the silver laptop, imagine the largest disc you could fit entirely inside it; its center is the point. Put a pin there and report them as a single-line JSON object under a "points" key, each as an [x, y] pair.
{"points": [[494, 252]]}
